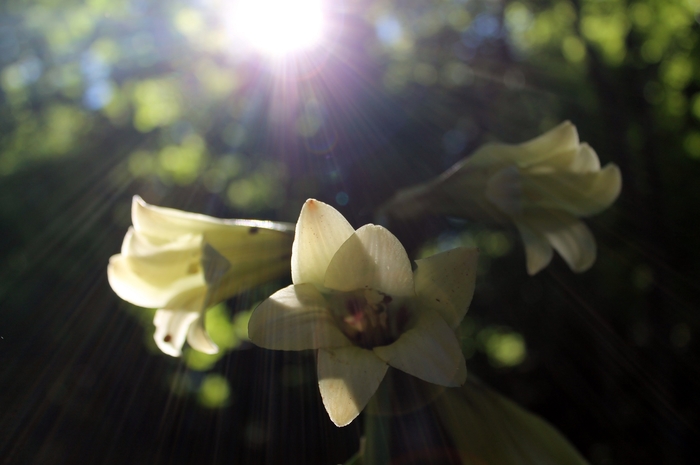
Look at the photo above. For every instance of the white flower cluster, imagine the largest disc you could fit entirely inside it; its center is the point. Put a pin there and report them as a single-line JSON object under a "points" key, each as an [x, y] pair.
{"points": [[355, 297]]}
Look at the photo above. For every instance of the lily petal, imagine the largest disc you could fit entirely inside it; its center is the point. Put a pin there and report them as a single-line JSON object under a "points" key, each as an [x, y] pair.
{"points": [[199, 339], [429, 351], [371, 258], [557, 142], [133, 280], [140, 245], [234, 266], [586, 161], [557, 147], [320, 232], [164, 263], [504, 189], [569, 236], [295, 318], [538, 251], [445, 283], [168, 223], [171, 330], [347, 379], [214, 265], [581, 194]]}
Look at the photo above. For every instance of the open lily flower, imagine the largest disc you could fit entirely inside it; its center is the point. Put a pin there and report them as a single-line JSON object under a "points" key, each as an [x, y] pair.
{"points": [[356, 299], [183, 263], [542, 186]]}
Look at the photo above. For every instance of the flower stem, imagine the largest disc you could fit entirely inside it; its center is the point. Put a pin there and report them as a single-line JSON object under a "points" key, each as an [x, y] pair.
{"points": [[377, 448]]}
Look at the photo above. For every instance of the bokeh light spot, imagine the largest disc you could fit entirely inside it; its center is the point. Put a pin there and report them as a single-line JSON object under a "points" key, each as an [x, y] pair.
{"points": [[388, 30], [503, 347], [342, 198], [214, 391]]}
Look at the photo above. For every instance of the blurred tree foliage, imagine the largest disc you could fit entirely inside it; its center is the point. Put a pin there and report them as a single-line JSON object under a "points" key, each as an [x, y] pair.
{"points": [[103, 99]]}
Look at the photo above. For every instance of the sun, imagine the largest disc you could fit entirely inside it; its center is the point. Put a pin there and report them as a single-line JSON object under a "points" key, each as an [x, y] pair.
{"points": [[276, 27]]}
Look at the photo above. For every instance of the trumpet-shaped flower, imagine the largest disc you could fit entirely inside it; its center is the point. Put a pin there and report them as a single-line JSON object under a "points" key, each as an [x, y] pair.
{"points": [[356, 299], [542, 186], [183, 263]]}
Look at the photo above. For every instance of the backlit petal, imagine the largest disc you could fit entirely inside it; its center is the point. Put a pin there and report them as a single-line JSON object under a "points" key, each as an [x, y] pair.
{"points": [[538, 251], [171, 330], [504, 189], [320, 232], [133, 280], [162, 223], [199, 339], [214, 265], [560, 141], [555, 148], [429, 351], [586, 160], [581, 194], [567, 235], [232, 267], [445, 283], [295, 318], [180, 248], [347, 379], [371, 258]]}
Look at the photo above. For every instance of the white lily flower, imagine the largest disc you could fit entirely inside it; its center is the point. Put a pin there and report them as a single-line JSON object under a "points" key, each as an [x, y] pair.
{"points": [[183, 263], [542, 186], [356, 300]]}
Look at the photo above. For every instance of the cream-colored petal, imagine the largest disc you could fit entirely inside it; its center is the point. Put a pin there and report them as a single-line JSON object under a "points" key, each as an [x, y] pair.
{"points": [[504, 189], [347, 379], [429, 351], [320, 232], [538, 251], [575, 244], [371, 258], [586, 161], [445, 283], [199, 339], [581, 194], [295, 318], [165, 224], [171, 330], [558, 141], [165, 264], [140, 245], [214, 265], [133, 280], [567, 235], [555, 147], [233, 264]]}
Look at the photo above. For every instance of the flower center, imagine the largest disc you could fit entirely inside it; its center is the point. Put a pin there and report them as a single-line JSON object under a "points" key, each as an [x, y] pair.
{"points": [[367, 317]]}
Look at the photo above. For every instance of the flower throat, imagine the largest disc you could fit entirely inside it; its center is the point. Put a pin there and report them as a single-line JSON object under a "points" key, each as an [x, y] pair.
{"points": [[369, 318]]}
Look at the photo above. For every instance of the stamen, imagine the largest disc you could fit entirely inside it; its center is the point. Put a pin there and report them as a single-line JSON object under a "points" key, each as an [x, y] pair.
{"points": [[369, 318]]}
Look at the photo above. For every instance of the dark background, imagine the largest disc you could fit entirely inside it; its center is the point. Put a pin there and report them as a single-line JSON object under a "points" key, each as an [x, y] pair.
{"points": [[103, 100]]}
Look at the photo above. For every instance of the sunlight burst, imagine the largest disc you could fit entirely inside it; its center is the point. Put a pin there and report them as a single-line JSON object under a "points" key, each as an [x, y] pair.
{"points": [[277, 27]]}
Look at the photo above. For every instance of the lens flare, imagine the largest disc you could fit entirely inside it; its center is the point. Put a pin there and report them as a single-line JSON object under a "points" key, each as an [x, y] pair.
{"points": [[277, 27]]}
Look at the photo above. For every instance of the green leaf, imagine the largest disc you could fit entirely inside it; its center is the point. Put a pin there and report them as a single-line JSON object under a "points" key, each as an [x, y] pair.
{"points": [[487, 428], [482, 427]]}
